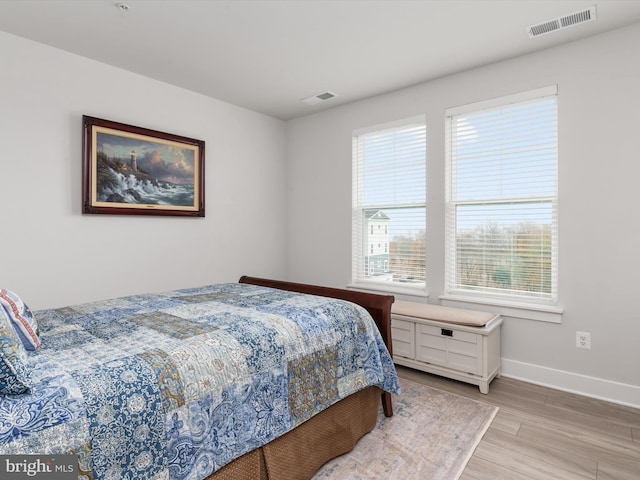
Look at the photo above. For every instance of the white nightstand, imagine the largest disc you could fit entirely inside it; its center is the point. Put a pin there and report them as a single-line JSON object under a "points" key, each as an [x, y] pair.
{"points": [[455, 343]]}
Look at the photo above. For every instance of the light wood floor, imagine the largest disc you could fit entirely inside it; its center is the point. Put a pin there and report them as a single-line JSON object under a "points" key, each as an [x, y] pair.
{"points": [[545, 434]]}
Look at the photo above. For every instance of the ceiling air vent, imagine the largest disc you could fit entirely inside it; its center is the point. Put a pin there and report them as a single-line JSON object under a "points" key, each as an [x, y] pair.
{"points": [[321, 97], [562, 22]]}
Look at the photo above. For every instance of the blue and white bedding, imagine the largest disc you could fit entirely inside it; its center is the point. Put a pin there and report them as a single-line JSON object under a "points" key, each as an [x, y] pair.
{"points": [[176, 385]]}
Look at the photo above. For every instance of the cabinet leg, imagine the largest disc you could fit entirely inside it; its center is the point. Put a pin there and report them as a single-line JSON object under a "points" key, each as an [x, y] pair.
{"points": [[484, 387]]}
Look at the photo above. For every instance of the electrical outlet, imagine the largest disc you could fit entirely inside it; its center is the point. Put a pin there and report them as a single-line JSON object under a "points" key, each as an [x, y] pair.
{"points": [[583, 340]]}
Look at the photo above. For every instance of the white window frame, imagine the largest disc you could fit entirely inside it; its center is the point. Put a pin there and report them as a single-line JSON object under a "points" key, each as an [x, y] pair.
{"points": [[359, 227], [523, 306]]}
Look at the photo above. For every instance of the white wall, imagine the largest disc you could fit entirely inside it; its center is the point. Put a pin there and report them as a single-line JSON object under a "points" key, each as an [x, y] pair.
{"points": [[52, 255], [599, 171]]}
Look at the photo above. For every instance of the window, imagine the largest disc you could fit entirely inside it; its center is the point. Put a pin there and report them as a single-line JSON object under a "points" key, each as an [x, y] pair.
{"points": [[389, 192], [501, 210]]}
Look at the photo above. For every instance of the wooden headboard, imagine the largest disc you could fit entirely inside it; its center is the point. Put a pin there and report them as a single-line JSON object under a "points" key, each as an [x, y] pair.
{"points": [[378, 306]]}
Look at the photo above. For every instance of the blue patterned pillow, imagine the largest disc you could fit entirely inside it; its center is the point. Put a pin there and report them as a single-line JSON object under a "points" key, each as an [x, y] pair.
{"points": [[24, 323], [15, 377]]}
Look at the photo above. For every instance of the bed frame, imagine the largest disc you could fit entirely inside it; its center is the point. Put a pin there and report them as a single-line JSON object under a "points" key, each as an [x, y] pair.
{"points": [[299, 453]]}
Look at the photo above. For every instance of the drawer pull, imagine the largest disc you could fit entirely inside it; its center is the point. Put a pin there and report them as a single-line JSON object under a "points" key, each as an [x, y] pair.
{"points": [[446, 332]]}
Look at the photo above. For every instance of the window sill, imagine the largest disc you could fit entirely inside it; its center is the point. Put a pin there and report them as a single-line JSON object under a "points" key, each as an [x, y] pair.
{"points": [[390, 289], [528, 311]]}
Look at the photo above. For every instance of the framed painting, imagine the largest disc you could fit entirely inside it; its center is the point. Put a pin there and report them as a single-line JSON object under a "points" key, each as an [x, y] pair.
{"points": [[131, 170]]}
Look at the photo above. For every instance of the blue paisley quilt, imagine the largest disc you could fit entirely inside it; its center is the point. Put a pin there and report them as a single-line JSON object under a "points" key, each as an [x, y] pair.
{"points": [[176, 385]]}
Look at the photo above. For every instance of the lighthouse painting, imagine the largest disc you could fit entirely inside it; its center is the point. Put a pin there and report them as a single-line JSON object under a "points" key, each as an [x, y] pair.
{"points": [[130, 170]]}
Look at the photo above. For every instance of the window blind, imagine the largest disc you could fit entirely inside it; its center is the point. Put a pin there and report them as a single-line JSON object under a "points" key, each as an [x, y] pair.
{"points": [[501, 208], [389, 204]]}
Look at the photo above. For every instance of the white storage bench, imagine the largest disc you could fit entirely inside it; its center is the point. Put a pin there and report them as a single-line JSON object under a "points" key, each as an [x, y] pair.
{"points": [[452, 342]]}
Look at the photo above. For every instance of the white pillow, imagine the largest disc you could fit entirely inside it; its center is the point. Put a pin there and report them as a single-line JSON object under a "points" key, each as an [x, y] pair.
{"points": [[23, 321]]}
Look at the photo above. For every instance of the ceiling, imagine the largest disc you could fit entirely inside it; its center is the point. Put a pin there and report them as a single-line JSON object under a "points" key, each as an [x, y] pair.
{"points": [[267, 55]]}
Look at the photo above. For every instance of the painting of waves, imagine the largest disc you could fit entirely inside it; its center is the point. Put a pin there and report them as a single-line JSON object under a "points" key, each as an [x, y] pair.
{"points": [[133, 171], [118, 186]]}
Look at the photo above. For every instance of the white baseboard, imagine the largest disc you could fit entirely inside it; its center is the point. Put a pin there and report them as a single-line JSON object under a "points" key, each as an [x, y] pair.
{"points": [[599, 388]]}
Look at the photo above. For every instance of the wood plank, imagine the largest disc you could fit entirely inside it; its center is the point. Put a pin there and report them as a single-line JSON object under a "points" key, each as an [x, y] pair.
{"points": [[535, 466], [575, 421], [611, 412], [506, 422], [581, 466], [625, 455], [608, 471], [481, 469]]}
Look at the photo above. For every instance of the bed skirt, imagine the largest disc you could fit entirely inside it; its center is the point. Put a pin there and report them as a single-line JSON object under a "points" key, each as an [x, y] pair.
{"points": [[298, 454]]}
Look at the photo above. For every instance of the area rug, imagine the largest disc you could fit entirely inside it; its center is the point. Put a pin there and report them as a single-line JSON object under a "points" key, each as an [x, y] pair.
{"points": [[431, 436]]}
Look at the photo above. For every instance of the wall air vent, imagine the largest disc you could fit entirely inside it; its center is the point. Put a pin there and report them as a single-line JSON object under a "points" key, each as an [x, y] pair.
{"points": [[562, 22], [321, 97]]}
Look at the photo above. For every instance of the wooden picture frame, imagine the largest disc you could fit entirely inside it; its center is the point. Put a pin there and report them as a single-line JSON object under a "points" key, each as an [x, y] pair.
{"points": [[130, 170]]}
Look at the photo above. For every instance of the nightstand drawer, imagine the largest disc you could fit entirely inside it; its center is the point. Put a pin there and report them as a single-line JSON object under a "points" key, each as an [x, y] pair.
{"points": [[427, 339], [463, 348], [403, 338], [448, 352], [449, 333], [431, 355], [464, 363]]}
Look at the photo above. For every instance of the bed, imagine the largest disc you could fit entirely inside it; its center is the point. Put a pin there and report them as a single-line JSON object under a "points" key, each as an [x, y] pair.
{"points": [[259, 379]]}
